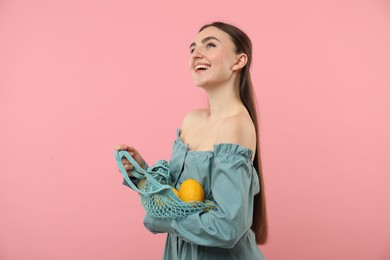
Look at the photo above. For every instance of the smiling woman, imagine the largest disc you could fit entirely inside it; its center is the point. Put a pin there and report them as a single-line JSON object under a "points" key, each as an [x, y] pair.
{"points": [[214, 48], [218, 147]]}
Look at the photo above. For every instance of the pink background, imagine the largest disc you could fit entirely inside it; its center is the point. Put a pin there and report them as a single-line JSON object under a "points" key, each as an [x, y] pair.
{"points": [[79, 77]]}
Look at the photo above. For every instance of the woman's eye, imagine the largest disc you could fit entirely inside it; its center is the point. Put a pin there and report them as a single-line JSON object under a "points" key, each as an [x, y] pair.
{"points": [[209, 45]]}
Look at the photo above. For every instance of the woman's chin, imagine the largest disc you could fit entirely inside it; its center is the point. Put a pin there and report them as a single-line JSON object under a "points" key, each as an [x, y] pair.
{"points": [[201, 83], [198, 84]]}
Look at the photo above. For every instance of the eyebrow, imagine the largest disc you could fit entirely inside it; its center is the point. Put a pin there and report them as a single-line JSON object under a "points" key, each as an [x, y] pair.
{"points": [[205, 40]]}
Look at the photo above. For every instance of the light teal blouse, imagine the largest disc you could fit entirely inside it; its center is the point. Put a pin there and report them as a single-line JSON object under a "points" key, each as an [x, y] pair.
{"points": [[230, 180]]}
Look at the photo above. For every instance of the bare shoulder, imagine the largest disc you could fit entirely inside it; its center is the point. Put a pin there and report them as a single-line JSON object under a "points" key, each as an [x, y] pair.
{"points": [[194, 117], [237, 129]]}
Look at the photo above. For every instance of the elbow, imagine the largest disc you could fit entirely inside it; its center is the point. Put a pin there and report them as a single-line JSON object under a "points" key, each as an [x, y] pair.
{"points": [[230, 238], [229, 244], [148, 225], [233, 235]]}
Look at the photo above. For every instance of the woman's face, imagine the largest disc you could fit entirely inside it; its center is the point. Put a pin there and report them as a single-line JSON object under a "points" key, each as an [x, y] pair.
{"points": [[212, 57]]}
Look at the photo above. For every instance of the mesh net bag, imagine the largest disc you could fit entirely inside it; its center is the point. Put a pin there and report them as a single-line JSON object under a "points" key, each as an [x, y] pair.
{"points": [[155, 188]]}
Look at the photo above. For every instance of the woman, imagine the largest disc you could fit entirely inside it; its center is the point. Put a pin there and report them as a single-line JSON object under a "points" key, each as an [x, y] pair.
{"points": [[219, 147]]}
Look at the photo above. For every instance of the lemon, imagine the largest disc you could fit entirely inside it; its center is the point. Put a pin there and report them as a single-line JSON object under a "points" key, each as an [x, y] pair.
{"points": [[191, 190], [176, 192]]}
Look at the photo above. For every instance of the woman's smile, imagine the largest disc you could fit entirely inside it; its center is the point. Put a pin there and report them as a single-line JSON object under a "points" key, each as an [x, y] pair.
{"points": [[201, 67]]}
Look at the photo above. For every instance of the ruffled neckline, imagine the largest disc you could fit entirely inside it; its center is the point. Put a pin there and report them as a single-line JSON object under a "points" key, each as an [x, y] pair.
{"points": [[221, 148]]}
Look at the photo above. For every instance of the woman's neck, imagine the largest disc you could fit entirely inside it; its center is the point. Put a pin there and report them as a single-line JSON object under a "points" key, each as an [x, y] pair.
{"points": [[224, 101]]}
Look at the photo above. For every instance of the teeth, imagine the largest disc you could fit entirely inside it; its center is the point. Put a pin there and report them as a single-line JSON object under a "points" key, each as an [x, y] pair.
{"points": [[202, 66]]}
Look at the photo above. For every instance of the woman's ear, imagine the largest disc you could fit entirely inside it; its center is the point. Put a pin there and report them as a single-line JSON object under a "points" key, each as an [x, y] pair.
{"points": [[241, 61]]}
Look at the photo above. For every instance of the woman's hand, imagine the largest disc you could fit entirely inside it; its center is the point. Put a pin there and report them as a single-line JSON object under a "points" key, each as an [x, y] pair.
{"points": [[135, 154]]}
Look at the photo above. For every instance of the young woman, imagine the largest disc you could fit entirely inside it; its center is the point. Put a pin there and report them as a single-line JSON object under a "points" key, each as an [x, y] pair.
{"points": [[219, 147]]}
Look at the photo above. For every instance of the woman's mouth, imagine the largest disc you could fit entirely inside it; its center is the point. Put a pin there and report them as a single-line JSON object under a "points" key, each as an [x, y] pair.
{"points": [[201, 67]]}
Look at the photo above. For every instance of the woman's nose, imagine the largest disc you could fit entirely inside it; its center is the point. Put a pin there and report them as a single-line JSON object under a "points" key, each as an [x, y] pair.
{"points": [[196, 53]]}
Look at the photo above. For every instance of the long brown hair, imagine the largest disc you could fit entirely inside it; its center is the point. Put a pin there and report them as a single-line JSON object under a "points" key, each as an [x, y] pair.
{"points": [[244, 45]]}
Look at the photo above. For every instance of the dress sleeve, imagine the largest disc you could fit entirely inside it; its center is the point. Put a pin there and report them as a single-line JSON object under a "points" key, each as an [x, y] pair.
{"points": [[234, 182]]}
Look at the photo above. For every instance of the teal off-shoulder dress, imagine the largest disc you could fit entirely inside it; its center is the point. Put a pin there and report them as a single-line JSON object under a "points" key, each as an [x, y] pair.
{"points": [[230, 180]]}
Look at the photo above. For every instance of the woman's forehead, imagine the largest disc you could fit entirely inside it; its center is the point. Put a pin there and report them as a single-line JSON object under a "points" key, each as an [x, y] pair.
{"points": [[211, 31]]}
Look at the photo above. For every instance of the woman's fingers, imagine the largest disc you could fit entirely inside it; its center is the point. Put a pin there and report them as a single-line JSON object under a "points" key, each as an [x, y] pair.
{"points": [[122, 147], [133, 152], [124, 160], [128, 167], [127, 164]]}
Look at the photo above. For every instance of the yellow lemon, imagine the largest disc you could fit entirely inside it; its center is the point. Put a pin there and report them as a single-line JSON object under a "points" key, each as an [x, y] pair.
{"points": [[191, 190], [176, 192]]}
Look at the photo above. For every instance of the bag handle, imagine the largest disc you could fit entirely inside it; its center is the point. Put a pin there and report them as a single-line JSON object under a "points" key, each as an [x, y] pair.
{"points": [[138, 173]]}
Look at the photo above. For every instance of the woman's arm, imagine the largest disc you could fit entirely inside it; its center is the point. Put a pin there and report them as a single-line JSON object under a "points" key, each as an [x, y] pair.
{"points": [[234, 183]]}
